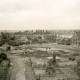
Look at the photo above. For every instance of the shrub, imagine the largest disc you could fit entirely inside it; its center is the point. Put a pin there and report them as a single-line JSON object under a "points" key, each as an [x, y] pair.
{"points": [[3, 56], [1, 43], [78, 68], [51, 67]]}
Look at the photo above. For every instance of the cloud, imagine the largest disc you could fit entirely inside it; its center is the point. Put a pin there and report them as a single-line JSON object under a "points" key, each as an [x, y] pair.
{"points": [[41, 13]]}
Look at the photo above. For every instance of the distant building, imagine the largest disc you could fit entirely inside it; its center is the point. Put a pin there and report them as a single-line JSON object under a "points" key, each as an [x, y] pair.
{"points": [[76, 38], [63, 38]]}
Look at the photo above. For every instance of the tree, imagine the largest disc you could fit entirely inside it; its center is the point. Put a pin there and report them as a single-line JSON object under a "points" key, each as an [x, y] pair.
{"points": [[5, 37], [12, 38], [52, 65], [78, 68], [38, 77]]}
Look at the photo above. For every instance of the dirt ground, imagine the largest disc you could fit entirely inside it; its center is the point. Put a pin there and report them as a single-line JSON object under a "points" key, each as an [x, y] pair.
{"points": [[21, 70], [18, 68]]}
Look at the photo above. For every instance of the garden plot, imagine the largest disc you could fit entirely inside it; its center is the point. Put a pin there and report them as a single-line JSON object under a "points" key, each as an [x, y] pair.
{"points": [[64, 72], [38, 62], [39, 57]]}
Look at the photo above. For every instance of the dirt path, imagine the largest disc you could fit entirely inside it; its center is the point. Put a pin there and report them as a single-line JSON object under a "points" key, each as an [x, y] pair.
{"points": [[29, 73], [18, 68]]}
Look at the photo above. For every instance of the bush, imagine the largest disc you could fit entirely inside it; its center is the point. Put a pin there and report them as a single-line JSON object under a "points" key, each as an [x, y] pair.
{"points": [[76, 54], [78, 68], [3, 56], [14, 43], [51, 67], [44, 65], [38, 78], [1, 43], [27, 42]]}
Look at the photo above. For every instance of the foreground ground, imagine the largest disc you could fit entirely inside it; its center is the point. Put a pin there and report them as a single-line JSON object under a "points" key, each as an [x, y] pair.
{"points": [[21, 65]]}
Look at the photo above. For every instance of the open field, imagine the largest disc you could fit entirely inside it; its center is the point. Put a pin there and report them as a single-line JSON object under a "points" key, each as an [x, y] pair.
{"points": [[66, 70], [40, 55]]}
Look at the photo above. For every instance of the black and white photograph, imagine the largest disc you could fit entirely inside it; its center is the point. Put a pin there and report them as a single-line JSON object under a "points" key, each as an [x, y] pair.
{"points": [[39, 39]]}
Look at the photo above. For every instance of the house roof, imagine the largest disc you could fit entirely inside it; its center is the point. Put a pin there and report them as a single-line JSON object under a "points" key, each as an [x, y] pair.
{"points": [[78, 35]]}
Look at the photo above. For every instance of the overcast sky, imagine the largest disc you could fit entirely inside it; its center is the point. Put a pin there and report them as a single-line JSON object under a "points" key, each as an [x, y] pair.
{"points": [[39, 14]]}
